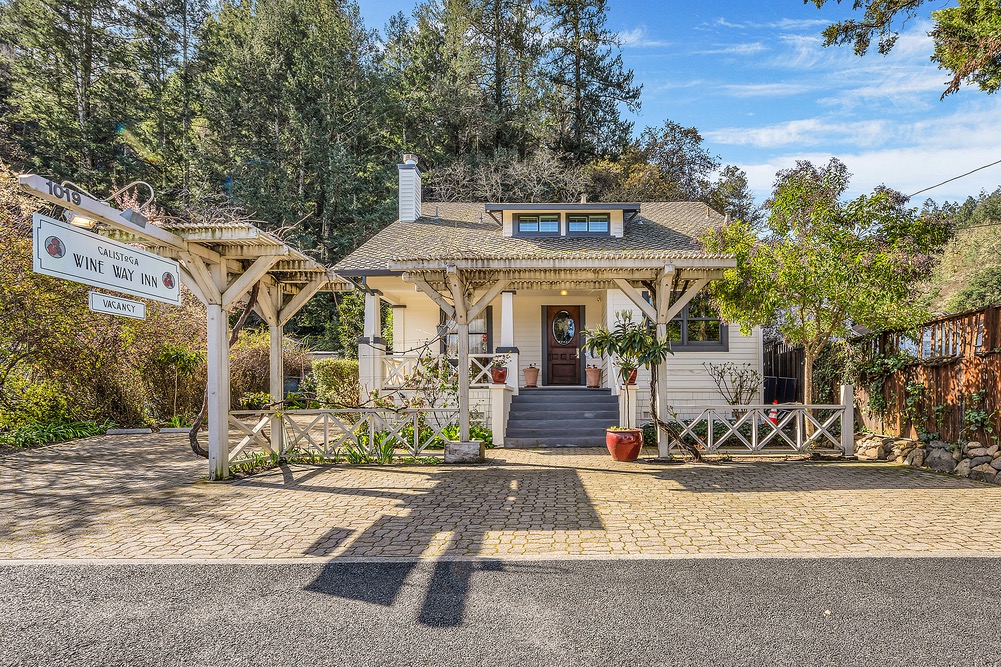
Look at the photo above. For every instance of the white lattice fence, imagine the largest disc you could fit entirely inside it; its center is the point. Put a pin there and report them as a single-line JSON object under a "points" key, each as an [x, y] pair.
{"points": [[766, 429], [329, 432]]}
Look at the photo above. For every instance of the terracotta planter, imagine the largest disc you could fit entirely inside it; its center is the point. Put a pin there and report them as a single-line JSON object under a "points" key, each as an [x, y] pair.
{"points": [[624, 445], [498, 375], [531, 377], [593, 377], [632, 376]]}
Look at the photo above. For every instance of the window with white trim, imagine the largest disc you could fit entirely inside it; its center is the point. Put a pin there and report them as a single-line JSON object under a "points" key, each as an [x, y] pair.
{"points": [[587, 224], [544, 224]]}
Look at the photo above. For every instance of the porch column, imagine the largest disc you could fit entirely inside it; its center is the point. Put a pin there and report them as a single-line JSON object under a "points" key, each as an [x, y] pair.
{"points": [[218, 390], [399, 329], [462, 329], [507, 319], [277, 390], [371, 346], [507, 339]]}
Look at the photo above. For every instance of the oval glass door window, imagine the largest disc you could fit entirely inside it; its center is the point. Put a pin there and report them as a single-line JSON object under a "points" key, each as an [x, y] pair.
{"points": [[564, 328]]}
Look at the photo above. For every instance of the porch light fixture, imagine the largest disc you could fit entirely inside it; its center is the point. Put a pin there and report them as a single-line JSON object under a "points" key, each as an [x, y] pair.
{"points": [[563, 292]]}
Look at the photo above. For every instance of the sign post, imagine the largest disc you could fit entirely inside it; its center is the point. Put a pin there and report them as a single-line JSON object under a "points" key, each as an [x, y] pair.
{"points": [[65, 251]]}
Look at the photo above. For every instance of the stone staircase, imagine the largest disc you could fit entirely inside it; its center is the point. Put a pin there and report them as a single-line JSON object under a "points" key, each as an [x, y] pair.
{"points": [[571, 417]]}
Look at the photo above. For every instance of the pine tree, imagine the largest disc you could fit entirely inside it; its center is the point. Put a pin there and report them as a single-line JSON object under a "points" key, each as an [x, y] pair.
{"points": [[589, 81]]}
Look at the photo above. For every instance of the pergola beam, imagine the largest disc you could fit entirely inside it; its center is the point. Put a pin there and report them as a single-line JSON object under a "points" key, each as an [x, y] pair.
{"points": [[637, 298], [487, 298], [418, 281], [289, 310], [250, 275]]}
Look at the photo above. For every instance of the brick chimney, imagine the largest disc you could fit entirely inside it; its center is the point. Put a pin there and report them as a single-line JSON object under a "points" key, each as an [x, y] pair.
{"points": [[410, 188]]}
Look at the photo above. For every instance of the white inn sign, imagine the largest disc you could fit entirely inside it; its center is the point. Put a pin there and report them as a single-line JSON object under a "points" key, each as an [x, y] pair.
{"points": [[65, 251]]}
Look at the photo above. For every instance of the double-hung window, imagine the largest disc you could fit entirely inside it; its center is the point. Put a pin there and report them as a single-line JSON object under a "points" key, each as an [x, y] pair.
{"points": [[698, 327], [480, 338], [545, 224], [586, 224]]}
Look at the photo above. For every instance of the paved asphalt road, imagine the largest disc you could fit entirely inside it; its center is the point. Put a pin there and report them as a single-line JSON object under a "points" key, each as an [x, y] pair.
{"points": [[573, 612]]}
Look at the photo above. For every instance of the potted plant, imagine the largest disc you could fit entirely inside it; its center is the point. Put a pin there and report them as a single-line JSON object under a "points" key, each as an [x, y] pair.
{"points": [[498, 369], [628, 369], [531, 376], [593, 373], [634, 344], [624, 443]]}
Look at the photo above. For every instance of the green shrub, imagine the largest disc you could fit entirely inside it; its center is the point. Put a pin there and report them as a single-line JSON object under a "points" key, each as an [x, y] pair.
{"points": [[337, 382], [40, 434], [32, 401], [649, 434]]}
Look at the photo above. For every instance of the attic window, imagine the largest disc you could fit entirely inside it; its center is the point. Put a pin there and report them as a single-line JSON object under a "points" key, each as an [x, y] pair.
{"points": [[546, 224], [587, 224]]}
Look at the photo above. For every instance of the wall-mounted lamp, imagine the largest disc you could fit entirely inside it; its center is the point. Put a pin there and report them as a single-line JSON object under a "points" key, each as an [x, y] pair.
{"points": [[563, 292]]}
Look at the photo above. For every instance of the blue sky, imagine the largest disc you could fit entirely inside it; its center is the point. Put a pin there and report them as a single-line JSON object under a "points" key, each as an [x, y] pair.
{"points": [[754, 78]]}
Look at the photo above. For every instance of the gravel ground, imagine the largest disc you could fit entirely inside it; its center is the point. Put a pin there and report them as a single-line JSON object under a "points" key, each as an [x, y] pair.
{"points": [[852, 611]]}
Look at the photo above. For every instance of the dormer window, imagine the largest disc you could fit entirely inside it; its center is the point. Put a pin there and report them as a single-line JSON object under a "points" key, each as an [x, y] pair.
{"points": [[580, 224], [545, 224]]}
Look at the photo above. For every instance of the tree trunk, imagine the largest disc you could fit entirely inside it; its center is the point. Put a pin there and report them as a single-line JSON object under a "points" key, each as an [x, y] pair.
{"points": [[667, 428], [196, 446]]}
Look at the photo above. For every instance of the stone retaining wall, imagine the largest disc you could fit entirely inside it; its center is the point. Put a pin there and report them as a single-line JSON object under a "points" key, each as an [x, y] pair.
{"points": [[970, 459]]}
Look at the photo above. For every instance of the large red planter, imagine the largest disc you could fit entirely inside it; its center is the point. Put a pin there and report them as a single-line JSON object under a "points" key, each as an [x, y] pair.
{"points": [[624, 445]]}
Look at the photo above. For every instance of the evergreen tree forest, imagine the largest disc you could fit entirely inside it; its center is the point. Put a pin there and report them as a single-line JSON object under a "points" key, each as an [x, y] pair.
{"points": [[296, 112]]}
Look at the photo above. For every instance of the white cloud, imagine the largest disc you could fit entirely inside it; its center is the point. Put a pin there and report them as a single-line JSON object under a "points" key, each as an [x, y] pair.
{"points": [[637, 38], [804, 132], [764, 89], [746, 49], [780, 24], [911, 158]]}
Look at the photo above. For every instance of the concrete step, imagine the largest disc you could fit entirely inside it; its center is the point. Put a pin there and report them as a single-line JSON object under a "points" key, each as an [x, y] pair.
{"points": [[558, 425], [569, 400], [563, 408], [570, 434], [529, 443]]}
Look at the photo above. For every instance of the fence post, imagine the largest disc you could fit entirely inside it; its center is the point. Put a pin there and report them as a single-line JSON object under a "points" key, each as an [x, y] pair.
{"points": [[848, 420]]}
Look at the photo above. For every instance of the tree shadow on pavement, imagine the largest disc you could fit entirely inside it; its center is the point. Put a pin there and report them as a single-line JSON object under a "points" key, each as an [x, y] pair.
{"points": [[450, 519]]}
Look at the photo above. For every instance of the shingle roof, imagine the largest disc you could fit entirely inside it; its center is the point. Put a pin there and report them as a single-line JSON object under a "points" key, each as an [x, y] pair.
{"points": [[465, 230]]}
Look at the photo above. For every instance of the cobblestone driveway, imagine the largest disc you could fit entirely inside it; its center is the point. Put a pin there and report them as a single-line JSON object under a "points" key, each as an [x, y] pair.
{"points": [[145, 497]]}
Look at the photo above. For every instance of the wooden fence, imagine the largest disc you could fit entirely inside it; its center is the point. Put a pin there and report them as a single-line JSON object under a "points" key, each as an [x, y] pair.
{"points": [[946, 383], [949, 386]]}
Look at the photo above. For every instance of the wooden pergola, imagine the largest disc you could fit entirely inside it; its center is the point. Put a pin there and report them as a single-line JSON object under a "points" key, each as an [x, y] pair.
{"points": [[220, 263]]}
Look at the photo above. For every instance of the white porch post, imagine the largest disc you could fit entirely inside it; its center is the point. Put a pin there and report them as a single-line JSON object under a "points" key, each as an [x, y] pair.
{"points": [[218, 381], [507, 339], [507, 319], [462, 325], [277, 385], [371, 346], [399, 329], [663, 317], [848, 420]]}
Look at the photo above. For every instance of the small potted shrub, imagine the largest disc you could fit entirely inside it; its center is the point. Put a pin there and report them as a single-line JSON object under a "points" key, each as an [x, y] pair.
{"points": [[498, 369], [634, 344], [624, 444], [628, 370], [531, 376]]}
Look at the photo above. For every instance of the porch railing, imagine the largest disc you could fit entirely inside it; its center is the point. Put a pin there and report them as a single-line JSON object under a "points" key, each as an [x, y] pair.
{"points": [[330, 432], [763, 429], [398, 367]]}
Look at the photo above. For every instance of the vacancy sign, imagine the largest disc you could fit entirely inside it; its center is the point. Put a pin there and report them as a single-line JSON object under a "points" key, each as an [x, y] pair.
{"points": [[113, 305], [71, 253]]}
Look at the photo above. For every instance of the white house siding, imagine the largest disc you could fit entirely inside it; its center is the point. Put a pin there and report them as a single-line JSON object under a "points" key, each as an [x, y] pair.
{"points": [[689, 386]]}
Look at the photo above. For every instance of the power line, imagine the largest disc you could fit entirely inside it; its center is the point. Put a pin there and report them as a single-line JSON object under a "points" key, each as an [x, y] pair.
{"points": [[954, 178]]}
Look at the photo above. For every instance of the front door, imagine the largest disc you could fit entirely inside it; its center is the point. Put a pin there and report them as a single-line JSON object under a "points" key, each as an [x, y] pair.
{"points": [[562, 345]]}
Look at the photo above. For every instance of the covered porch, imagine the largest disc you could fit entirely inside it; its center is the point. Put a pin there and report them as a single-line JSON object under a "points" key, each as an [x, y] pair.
{"points": [[524, 314]]}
